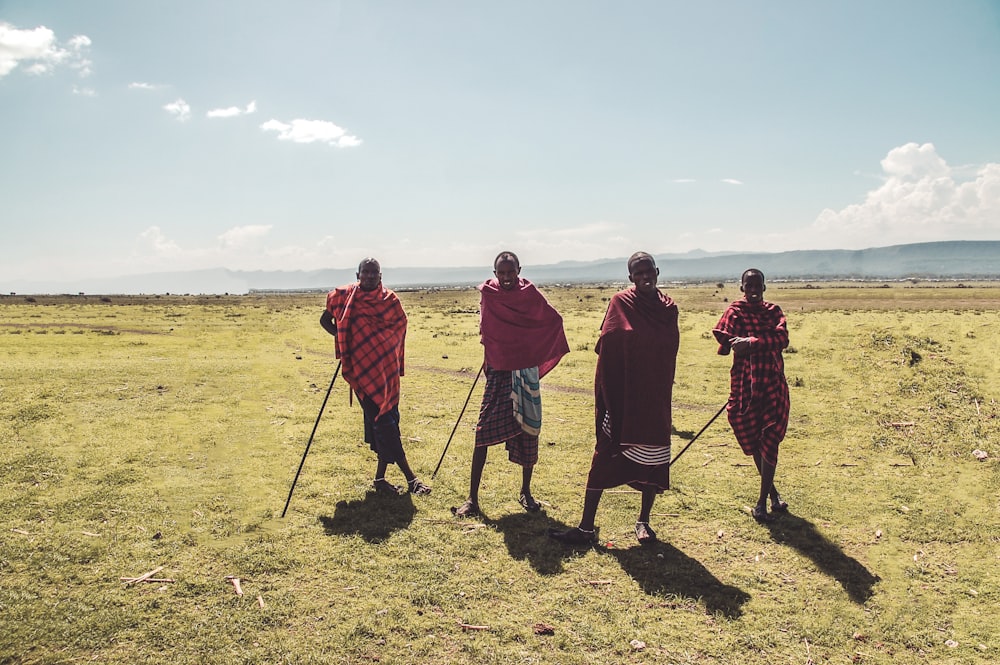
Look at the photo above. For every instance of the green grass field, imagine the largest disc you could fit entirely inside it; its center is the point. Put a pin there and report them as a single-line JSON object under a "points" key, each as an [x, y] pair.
{"points": [[163, 433]]}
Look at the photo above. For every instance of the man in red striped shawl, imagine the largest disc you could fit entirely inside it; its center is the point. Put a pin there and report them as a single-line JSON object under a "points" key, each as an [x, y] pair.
{"points": [[523, 338], [637, 354], [756, 333], [369, 325]]}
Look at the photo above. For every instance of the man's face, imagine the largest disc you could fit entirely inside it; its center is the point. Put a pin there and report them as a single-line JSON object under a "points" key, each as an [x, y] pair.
{"points": [[643, 274], [369, 275], [753, 288], [507, 272]]}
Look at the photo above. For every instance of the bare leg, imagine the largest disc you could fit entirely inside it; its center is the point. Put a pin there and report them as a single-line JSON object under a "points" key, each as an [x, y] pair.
{"points": [[404, 466], [766, 470], [585, 533], [381, 484], [648, 498], [643, 532], [526, 472], [773, 491], [478, 462], [591, 499]]}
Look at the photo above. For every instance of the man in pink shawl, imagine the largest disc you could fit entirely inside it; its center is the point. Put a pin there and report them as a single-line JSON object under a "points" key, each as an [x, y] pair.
{"points": [[637, 354], [523, 338]]}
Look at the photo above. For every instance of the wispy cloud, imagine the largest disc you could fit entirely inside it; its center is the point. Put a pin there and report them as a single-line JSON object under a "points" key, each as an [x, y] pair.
{"points": [[312, 131], [84, 92], [232, 111], [246, 247], [179, 108], [37, 51], [240, 236], [732, 181], [684, 181], [139, 85]]}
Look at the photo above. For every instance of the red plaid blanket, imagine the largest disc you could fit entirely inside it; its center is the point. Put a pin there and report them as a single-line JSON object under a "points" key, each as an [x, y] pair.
{"points": [[758, 393], [371, 333], [519, 328]]}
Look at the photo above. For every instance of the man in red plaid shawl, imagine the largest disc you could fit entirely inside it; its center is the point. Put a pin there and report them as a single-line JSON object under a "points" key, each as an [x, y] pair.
{"points": [[523, 338], [369, 325], [756, 333], [633, 386]]}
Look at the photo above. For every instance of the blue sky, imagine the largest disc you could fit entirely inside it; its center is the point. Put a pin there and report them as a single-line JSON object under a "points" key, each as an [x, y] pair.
{"points": [[157, 136]]}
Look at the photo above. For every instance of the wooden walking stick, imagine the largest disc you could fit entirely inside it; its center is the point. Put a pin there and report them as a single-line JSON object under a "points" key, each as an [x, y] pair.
{"points": [[717, 414], [462, 413], [318, 416]]}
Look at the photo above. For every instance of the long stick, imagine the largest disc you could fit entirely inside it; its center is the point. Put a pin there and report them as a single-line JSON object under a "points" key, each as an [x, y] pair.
{"points": [[717, 414], [462, 413], [318, 416]]}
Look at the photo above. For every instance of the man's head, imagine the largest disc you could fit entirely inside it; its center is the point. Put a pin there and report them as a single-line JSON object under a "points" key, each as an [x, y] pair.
{"points": [[369, 274], [506, 267], [752, 285], [642, 272]]}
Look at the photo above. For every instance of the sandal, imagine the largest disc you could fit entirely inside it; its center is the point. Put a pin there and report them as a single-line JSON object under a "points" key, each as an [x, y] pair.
{"points": [[528, 503], [644, 533], [418, 488], [383, 486], [467, 509], [761, 515], [574, 536]]}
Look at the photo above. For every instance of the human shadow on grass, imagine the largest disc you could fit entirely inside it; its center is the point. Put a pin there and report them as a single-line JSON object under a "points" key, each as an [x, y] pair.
{"points": [[662, 570], [526, 537], [802, 534], [374, 518]]}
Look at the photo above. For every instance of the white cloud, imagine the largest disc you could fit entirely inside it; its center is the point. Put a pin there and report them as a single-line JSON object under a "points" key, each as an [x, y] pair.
{"points": [[179, 108], [684, 181], [232, 111], [312, 131], [240, 236], [238, 248], [732, 181], [152, 241], [921, 199], [85, 92], [139, 85], [38, 51]]}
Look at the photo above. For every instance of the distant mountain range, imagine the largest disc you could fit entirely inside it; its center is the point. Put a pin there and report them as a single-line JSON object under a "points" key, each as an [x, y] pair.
{"points": [[932, 260]]}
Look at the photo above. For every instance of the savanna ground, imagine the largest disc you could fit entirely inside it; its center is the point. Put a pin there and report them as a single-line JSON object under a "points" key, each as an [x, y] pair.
{"points": [[149, 432]]}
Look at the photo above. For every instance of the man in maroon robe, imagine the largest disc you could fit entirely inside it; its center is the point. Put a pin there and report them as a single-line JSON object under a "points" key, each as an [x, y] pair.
{"points": [[637, 354]]}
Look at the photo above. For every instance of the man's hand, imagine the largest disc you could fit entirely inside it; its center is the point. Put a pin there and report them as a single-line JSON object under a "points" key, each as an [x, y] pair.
{"points": [[740, 346], [329, 325]]}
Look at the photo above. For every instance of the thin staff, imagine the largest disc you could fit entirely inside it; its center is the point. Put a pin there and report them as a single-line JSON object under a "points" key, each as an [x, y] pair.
{"points": [[462, 413], [318, 416], [717, 414]]}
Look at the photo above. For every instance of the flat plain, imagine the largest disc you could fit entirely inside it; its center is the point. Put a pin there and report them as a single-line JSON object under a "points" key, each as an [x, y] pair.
{"points": [[162, 433]]}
